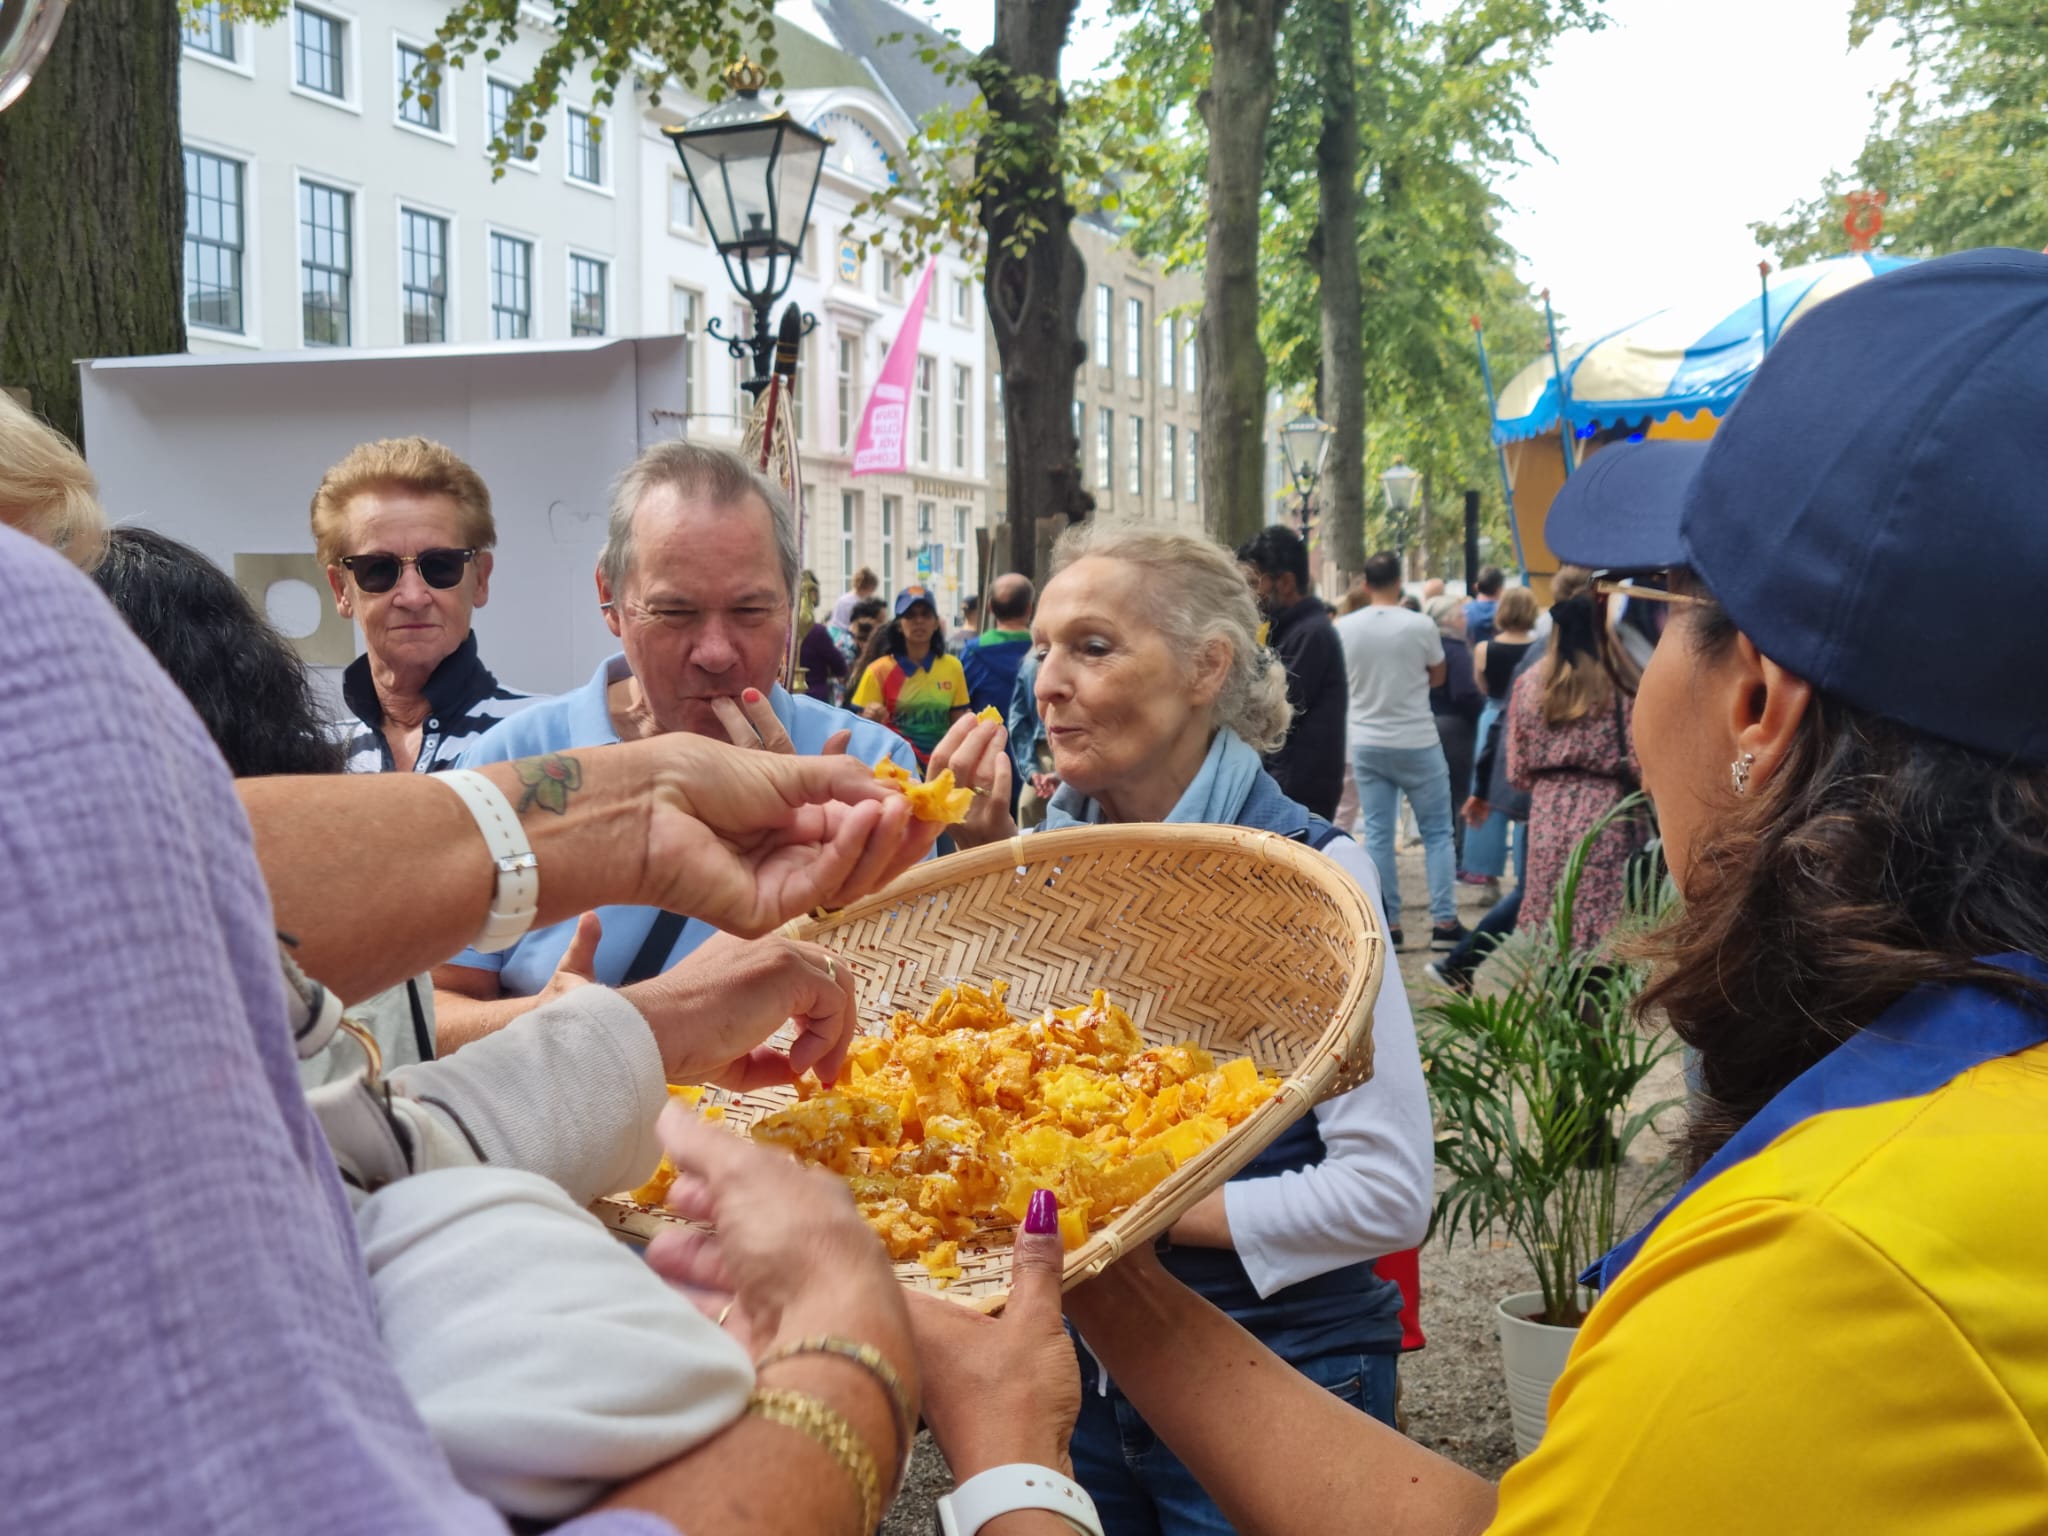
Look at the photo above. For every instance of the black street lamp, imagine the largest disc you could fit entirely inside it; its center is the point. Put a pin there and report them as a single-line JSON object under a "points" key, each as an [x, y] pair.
{"points": [[754, 174], [1306, 440], [1400, 483]]}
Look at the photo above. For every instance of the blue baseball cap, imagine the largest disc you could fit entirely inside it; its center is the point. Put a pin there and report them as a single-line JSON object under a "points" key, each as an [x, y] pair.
{"points": [[910, 596], [1888, 462]]}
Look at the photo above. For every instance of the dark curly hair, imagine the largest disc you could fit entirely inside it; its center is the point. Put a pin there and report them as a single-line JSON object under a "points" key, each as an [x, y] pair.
{"points": [[239, 673], [1877, 859]]}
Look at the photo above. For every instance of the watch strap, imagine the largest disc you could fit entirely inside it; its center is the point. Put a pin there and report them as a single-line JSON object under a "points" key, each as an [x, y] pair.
{"points": [[517, 896], [1020, 1485]]}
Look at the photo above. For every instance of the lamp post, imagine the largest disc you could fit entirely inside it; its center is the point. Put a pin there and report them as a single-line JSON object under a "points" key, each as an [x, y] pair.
{"points": [[754, 174], [1400, 483], [1306, 440]]}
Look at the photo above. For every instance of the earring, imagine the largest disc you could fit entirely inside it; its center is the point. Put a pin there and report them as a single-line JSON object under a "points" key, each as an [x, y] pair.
{"points": [[1738, 772]]}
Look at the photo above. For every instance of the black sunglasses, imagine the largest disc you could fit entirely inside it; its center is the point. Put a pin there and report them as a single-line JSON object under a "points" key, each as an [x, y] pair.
{"points": [[438, 568]]}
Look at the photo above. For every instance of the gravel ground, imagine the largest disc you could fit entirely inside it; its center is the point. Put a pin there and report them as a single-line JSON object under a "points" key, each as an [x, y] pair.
{"points": [[1453, 1398]]}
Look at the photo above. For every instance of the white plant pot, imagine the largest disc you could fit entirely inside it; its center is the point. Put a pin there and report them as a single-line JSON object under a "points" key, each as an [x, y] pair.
{"points": [[1534, 1354]]}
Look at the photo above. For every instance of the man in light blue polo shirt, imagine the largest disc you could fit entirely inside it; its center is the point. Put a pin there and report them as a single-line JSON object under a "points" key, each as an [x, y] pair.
{"points": [[697, 578]]}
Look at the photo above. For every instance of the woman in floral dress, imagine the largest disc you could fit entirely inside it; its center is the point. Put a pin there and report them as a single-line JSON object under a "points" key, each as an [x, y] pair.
{"points": [[1568, 750]]}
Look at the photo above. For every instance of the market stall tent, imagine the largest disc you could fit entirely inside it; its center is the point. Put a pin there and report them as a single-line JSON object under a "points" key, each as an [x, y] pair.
{"points": [[1673, 374]]}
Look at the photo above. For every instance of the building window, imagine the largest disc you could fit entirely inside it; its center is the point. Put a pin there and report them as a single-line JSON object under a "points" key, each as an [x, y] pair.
{"points": [[1169, 463], [1134, 338], [498, 108], [927, 519], [1077, 429], [891, 279], [889, 506], [849, 388], [1189, 378], [795, 397], [511, 288], [963, 388], [1167, 351], [316, 51], [963, 300], [208, 31], [1134, 468], [849, 525], [1103, 299], [1192, 491], [326, 263], [1001, 425], [587, 308], [586, 148], [418, 102], [423, 276], [931, 297], [682, 321], [682, 205], [963, 571], [213, 241], [927, 385], [1105, 439]]}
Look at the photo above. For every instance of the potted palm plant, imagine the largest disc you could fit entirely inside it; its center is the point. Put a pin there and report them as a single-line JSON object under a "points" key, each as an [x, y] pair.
{"points": [[1535, 1089]]}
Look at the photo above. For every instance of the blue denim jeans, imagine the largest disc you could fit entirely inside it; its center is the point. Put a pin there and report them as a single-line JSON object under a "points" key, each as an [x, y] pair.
{"points": [[1384, 774], [1486, 845], [1140, 1487]]}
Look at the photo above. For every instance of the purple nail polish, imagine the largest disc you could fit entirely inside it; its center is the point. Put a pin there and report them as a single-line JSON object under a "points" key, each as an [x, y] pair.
{"points": [[1043, 1216]]}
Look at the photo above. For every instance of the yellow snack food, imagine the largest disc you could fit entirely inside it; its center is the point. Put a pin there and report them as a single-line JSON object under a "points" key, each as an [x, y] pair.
{"points": [[945, 1124], [990, 712], [658, 1184], [935, 800]]}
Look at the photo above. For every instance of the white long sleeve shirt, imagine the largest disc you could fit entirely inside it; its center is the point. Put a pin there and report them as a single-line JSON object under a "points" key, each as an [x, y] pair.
{"points": [[1371, 1194]]}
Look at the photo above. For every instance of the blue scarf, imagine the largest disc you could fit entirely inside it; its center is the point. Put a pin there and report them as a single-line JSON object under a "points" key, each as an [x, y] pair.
{"points": [[1218, 794]]}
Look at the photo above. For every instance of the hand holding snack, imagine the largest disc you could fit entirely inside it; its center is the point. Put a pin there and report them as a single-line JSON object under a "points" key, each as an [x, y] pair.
{"points": [[976, 753]]}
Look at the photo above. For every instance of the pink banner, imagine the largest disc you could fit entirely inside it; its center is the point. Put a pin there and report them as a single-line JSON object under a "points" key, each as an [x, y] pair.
{"points": [[879, 447]]}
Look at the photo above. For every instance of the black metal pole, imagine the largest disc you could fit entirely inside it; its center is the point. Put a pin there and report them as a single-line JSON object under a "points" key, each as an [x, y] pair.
{"points": [[1471, 542], [762, 345]]}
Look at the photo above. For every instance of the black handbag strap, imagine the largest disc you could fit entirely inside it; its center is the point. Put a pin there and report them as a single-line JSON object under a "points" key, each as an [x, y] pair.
{"points": [[653, 952]]}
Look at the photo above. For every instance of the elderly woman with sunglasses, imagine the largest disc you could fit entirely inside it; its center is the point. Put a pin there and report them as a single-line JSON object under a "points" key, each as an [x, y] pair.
{"points": [[1840, 1323], [404, 528]]}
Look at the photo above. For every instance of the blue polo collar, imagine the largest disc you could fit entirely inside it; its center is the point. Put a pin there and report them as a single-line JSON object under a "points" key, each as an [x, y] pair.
{"points": [[1921, 1043]]}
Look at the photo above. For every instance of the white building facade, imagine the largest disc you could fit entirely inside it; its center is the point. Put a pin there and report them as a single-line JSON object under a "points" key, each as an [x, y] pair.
{"points": [[327, 208]]}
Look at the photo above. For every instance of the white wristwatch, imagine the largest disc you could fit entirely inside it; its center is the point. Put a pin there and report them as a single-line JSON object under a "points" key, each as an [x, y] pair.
{"points": [[1003, 1490], [517, 897]]}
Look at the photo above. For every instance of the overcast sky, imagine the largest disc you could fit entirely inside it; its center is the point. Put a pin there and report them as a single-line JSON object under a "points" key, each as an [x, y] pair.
{"points": [[1671, 130]]}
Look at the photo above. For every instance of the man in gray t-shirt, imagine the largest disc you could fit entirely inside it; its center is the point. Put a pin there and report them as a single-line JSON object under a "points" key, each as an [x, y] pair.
{"points": [[1393, 657]]}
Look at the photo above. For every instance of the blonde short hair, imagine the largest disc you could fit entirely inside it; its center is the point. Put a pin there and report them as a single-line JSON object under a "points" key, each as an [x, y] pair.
{"points": [[46, 491], [414, 464], [1517, 609], [1195, 593]]}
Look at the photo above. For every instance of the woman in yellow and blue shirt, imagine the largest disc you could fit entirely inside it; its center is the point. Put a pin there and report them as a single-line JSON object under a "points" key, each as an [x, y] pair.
{"points": [[914, 687], [1840, 1323]]}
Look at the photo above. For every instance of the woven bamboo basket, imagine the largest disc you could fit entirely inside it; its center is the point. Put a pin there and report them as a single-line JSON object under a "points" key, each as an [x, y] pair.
{"points": [[1247, 942]]}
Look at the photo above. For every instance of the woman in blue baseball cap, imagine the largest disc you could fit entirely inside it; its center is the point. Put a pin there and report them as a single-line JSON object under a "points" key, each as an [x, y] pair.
{"points": [[1841, 1321]]}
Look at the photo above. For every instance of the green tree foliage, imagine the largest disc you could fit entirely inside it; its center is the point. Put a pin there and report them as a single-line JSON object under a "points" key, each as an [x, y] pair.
{"points": [[1960, 141], [1443, 116], [651, 42]]}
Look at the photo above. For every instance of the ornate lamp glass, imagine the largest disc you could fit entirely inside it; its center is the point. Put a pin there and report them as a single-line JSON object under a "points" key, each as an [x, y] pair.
{"points": [[1400, 483], [1306, 440]]}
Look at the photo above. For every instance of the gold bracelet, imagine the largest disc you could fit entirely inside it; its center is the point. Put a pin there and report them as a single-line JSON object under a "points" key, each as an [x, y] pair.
{"points": [[813, 1417], [869, 1359]]}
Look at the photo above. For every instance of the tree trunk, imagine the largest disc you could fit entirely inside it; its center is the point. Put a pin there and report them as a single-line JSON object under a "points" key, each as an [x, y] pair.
{"points": [[92, 204], [1035, 274], [1342, 489], [1236, 107]]}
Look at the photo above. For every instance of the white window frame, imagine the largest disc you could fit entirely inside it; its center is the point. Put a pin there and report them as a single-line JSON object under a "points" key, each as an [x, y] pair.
{"points": [[850, 512], [693, 376], [1169, 463], [1134, 471], [1105, 448], [443, 98], [847, 384], [531, 167], [998, 422], [963, 302], [931, 294], [889, 279], [962, 423], [1169, 349], [241, 64], [1192, 491], [356, 287], [250, 334], [963, 541], [451, 266], [570, 255], [1190, 359], [351, 97], [534, 286], [1102, 336], [891, 507], [693, 228], [603, 146], [1134, 338], [924, 389]]}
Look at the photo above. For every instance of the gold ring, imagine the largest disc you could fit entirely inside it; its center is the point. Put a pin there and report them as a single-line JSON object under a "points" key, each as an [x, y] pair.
{"points": [[726, 1311]]}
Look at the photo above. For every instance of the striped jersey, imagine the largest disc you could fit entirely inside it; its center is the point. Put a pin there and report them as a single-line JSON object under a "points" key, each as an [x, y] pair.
{"points": [[464, 700]]}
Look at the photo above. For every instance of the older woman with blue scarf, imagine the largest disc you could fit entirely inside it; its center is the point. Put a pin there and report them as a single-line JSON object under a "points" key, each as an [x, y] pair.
{"points": [[1157, 703]]}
